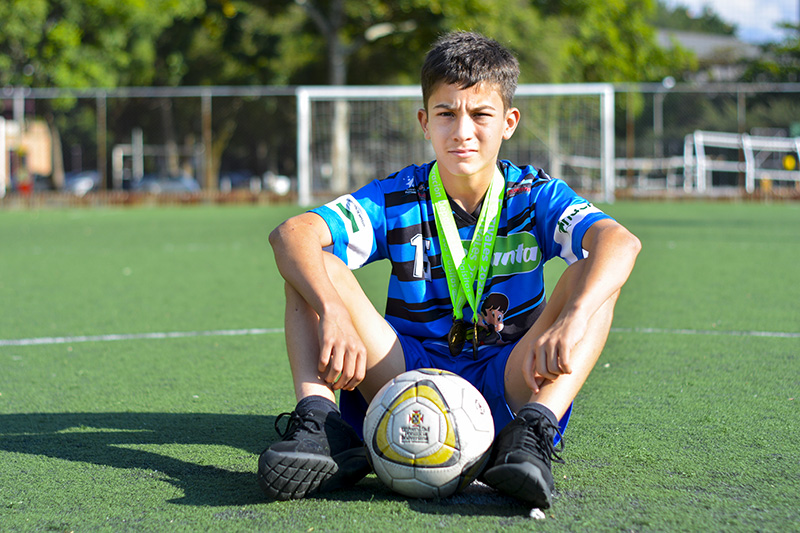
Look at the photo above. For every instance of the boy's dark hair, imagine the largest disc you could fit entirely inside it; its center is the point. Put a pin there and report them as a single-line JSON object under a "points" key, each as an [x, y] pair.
{"points": [[466, 59]]}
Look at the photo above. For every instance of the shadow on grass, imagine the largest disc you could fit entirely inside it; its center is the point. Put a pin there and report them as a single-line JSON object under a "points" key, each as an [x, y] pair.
{"points": [[101, 439], [475, 500], [111, 439]]}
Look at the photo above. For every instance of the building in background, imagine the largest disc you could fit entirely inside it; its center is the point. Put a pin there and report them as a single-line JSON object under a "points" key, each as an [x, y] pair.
{"points": [[720, 57]]}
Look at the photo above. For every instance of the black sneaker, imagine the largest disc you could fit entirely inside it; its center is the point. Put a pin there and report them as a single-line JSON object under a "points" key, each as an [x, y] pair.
{"points": [[520, 461], [318, 452]]}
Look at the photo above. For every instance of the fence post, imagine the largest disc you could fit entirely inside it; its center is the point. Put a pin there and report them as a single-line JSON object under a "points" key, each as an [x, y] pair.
{"points": [[700, 166], [749, 163], [658, 124], [3, 161], [607, 155], [102, 138], [19, 110], [303, 147], [741, 121], [208, 160]]}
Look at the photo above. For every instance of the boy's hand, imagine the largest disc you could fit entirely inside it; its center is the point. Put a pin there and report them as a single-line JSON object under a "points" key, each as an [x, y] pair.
{"points": [[551, 352], [343, 356]]}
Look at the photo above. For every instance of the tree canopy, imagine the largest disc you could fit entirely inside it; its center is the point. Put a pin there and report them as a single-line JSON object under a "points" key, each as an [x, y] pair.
{"points": [[780, 61], [75, 43], [108, 43], [679, 18]]}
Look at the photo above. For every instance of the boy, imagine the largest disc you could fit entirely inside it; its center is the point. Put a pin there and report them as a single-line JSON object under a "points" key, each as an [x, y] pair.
{"points": [[528, 357]]}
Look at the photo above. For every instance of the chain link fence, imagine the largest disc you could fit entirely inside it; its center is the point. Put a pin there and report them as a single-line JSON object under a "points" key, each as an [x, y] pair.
{"points": [[220, 140], [657, 126]]}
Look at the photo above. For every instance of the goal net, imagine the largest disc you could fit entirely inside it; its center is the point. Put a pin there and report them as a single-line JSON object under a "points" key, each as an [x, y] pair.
{"points": [[348, 136]]}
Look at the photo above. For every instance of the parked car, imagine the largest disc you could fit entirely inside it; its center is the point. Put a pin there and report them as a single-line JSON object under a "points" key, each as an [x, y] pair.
{"points": [[80, 183], [237, 179], [164, 184]]}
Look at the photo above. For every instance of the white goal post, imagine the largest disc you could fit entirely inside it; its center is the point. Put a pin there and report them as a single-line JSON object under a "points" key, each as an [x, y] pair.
{"points": [[349, 135], [754, 156]]}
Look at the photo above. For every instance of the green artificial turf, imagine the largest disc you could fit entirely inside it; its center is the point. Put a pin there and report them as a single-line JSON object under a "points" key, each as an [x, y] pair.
{"points": [[688, 423]]}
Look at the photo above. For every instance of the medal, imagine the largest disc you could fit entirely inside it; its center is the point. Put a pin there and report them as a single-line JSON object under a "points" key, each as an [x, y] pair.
{"points": [[475, 340], [456, 337], [466, 273]]}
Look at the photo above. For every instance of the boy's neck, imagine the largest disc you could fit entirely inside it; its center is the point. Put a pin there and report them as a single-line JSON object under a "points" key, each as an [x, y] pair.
{"points": [[468, 192]]}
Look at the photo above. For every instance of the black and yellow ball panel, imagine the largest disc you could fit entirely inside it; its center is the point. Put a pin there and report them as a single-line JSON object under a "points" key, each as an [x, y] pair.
{"points": [[445, 455]]}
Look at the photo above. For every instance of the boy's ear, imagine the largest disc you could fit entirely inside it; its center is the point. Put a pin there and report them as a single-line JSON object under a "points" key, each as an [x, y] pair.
{"points": [[512, 121], [422, 116]]}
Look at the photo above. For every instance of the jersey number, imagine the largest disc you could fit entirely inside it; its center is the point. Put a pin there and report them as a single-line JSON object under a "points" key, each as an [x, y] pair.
{"points": [[422, 268]]}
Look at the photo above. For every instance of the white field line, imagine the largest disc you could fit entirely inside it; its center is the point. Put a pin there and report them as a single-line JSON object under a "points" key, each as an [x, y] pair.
{"points": [[776, 334], [39, 341], [136, 336]]}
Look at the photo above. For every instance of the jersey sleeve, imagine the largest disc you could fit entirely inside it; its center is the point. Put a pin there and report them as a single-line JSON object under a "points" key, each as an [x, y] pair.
{"points": [[564, 218], [357, 224]]}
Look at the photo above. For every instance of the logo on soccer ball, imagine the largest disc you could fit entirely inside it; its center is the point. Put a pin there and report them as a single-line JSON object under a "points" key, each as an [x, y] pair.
{"points": [[415, 432]]}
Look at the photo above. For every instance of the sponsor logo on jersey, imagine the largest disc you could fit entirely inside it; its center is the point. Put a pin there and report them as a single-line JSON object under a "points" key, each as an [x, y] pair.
{"points": [[570, 218], [574, 214], [514, 254], [353, 212], [360, 235]]}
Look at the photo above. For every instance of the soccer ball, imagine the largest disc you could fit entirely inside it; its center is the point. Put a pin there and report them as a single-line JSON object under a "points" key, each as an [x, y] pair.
{"points": [[428, 433]]}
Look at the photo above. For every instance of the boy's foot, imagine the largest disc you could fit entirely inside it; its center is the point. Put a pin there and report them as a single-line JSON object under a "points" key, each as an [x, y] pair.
{"points": [[520, 461], [318, 452]]}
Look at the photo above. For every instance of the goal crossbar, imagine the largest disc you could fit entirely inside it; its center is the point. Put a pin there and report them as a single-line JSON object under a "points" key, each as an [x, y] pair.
{"points": [[306, 95]]}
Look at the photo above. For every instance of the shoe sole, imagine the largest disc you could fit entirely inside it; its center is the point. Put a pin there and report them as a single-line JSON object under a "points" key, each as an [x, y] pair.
{"points": [[294, 475], [523, 481]]}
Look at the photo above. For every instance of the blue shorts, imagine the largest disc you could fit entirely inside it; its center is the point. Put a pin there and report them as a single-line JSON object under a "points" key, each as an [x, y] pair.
{"points": [[487, 374]]}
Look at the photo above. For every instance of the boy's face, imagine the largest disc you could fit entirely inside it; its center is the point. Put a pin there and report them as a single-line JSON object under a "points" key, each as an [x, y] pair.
{"points": [[466, 128]]}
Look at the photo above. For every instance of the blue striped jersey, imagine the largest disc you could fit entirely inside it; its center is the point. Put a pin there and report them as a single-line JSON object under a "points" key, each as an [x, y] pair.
{"points": [[392, 218]]}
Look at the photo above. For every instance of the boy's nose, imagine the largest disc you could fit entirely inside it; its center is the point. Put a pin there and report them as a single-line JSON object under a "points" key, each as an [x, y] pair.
{"points": [[464, 128]]}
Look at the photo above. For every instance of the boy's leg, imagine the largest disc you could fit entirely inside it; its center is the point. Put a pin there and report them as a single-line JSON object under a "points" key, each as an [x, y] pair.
{"points": [[520, 463], [320, 451], [384, 353], [558, 394]]}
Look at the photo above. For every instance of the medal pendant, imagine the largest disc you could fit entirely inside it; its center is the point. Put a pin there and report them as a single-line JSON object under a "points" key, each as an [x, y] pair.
{"points": [[457, 337], [475, 341]]}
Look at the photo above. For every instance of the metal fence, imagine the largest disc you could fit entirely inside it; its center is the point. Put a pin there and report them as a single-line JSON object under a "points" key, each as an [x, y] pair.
{"points": [[227, 138], [657, 126]]}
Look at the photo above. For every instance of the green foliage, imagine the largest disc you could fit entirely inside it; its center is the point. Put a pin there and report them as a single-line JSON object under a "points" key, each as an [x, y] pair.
{"points": [[69, 43], [397, 58], [679, 18], [228, 43], [780, 61], [614, 42], [106, 43]]}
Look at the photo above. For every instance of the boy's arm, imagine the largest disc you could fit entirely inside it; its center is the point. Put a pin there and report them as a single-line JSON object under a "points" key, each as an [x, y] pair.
{"points": [[298, 248], [612, 251]]}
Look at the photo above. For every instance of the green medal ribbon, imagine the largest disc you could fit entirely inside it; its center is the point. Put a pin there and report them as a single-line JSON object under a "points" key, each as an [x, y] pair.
{"points": [[460, 268]]}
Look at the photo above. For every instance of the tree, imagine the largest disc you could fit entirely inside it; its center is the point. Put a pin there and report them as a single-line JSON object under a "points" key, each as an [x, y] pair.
{"points": [[780, 61], [614, 42], [72, 43], [77, 44], [679, 18]]}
